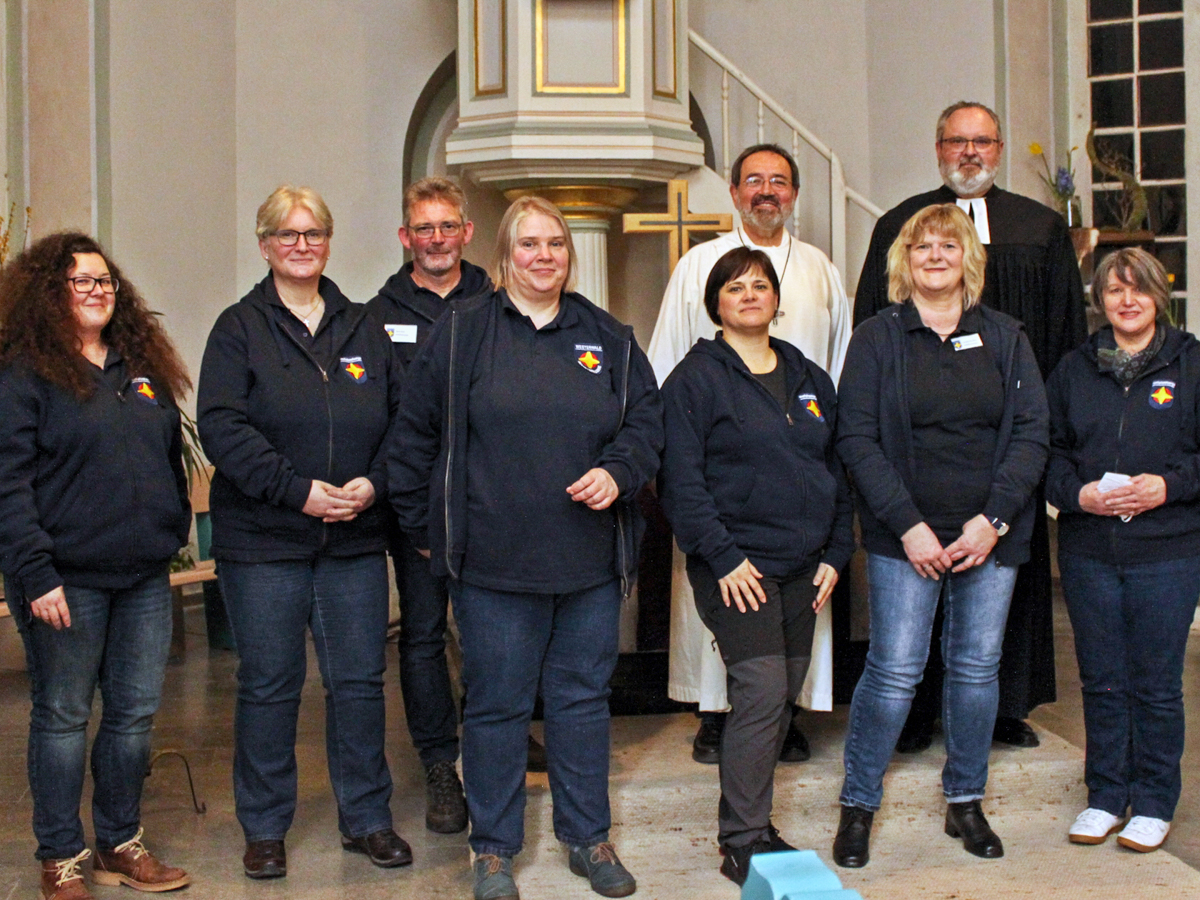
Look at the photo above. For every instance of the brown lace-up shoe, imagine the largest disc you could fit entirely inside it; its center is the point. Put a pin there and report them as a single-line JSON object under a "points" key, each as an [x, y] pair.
{"points": [[131, 864], [62, 879]]}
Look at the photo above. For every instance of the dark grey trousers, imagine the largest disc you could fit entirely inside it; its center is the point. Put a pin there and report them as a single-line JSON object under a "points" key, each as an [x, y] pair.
{"points": [[766, 654]]}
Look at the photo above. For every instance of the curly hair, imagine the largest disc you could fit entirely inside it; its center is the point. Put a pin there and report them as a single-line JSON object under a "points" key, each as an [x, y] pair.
{"points": [[38, 328]]}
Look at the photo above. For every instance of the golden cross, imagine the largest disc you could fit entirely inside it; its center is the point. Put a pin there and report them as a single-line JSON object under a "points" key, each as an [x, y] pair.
{"points": [[677, 222]]}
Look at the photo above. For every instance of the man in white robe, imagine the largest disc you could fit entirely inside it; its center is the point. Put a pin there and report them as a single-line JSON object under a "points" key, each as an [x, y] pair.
{"points": [[815, 316]]}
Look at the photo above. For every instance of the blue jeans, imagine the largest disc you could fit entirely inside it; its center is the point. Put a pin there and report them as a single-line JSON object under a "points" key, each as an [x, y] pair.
{"points": [[344, 601], [510, 642], [975, 604], [118, 639], [429, 707], [1131, 628]]}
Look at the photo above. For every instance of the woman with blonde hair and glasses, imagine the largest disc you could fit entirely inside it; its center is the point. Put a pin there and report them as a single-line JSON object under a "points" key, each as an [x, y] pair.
{"points": [[943, 428], [530, 419], [297, 390]]}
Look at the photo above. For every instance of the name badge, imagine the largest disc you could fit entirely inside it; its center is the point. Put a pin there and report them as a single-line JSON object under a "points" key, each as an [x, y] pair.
{"points": [[402, 334], [966, 342]]}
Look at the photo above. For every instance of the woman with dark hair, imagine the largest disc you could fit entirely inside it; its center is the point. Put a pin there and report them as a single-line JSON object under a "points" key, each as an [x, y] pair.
{"points": [[297, 390], [759, 503], [1125, 476], [93, 504], [530, 420], [943, 430]]}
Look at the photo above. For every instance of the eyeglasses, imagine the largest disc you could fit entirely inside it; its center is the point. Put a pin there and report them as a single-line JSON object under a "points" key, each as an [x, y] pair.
{"points": [[960, 143], [85, 284], [447, 229], [314, 236], [777, 182]]}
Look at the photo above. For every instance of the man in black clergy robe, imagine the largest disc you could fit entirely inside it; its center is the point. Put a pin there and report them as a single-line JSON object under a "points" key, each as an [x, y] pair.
{"points": [[1032, 275]]}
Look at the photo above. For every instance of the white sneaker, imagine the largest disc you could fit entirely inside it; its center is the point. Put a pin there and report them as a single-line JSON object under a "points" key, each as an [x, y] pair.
{"points": [[1093, 826], [1144, 834]]}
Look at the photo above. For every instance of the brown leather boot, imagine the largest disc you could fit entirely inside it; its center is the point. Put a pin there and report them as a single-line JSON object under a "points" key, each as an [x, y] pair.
{"points": [[62, 879], [131, 863]]}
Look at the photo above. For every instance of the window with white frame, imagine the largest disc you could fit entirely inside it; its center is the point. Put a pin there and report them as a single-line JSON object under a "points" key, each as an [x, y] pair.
{"points": [[1136, 81]]}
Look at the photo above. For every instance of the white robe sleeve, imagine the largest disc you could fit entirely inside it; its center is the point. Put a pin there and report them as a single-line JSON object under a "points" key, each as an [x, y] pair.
{"points": [[678, 327], [841, 322]]}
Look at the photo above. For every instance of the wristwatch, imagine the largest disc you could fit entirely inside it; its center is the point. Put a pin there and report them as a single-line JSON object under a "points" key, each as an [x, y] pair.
{"points": [[1001, 527]]}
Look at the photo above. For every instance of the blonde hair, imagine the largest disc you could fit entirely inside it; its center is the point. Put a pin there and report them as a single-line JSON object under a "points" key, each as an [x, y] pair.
{"points": [[280, 204], [948, 221], [506, 239]]}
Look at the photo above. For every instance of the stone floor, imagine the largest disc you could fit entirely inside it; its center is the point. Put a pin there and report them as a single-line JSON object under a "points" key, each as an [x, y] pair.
{"points": [[196, 719]]}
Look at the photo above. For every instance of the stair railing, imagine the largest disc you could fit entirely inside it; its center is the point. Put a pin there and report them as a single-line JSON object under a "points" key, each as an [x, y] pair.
{"points": [[840, 193]]}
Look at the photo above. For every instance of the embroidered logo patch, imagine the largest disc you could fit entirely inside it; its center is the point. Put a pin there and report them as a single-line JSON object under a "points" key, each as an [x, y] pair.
{"points": [[144, 392], [1162, 394], [353, 366], [590, 356], [809, 402]]}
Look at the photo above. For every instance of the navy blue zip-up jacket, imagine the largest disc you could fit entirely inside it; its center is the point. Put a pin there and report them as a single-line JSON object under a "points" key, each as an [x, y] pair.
{"points": [[401, 302], [743, 478], [1151, 427], [92, 493], [428, 448], [875, 441], [273, 418]]}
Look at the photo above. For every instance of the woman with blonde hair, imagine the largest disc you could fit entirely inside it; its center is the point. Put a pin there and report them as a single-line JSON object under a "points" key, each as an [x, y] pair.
{"points": [[530, 419], [943, 428], [296, 393]]}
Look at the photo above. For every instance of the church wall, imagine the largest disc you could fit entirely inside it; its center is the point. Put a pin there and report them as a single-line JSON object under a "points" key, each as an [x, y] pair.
{"points": [[922, 57], [174, 228]]}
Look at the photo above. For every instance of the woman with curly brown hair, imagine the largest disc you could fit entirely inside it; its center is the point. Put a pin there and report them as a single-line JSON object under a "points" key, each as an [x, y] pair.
{"points": [[93, 504]]}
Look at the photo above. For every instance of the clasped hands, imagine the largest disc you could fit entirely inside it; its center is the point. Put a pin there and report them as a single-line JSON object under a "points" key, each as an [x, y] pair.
{"points": [[1144, 492], [330, 503], [930, 559]]}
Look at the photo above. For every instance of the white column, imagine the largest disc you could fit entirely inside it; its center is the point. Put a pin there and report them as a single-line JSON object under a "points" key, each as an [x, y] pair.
{"points": [[591, 254]]}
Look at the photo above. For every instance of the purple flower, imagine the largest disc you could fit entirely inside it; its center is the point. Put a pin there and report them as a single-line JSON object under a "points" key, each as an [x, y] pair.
{"points": [[1063, 182]]}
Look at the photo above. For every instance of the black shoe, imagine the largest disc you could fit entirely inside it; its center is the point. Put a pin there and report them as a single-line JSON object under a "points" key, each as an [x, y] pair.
{"points": [[1014, 732], [915, 737], [265, 859], [535, 759], [384, 848], [706, 747], [778, 844], [795, 746], [445, 805], [966, 820], [852, 846], [736, 864]]}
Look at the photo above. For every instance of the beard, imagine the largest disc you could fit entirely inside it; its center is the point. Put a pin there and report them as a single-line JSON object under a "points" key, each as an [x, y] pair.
{"points": [[765, 213], [968, 185], [436, 264]]}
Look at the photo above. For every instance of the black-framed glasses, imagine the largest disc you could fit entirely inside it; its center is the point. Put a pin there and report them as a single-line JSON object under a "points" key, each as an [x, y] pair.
{"points": [[85, 284], [777, 182], [960, 143], [448, 229], [315, 237]]}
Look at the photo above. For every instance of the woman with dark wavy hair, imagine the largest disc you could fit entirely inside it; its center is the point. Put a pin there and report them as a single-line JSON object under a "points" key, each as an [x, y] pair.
{"points": [[93, 504]]}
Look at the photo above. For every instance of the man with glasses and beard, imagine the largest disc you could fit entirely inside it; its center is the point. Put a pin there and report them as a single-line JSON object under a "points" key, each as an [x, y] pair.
{"points": [[814, 316], [1033, 275], [435, 230]]}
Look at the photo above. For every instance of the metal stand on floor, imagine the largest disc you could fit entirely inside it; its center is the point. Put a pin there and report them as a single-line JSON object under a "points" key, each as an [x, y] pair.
{"points": [[200, 806]]}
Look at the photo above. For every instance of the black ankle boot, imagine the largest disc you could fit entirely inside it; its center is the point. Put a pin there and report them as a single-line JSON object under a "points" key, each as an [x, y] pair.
{"points": [[851, 847], [967, 821]]}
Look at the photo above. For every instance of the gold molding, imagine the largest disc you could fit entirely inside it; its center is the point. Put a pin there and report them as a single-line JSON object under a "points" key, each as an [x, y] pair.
{"points": [[489, 90], [674, 92], [580, 201], [543, 86]]}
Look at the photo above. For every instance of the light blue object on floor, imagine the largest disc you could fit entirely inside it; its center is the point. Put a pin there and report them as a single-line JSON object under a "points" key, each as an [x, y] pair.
{"points": [[793, 875]]}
